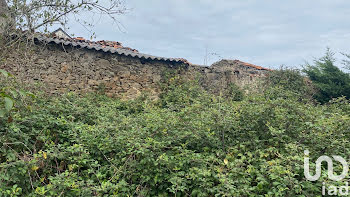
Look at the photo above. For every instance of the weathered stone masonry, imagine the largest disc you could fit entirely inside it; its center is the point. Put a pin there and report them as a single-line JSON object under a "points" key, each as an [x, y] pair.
{"points": [[218, 77], [86, 70], [69, 68]]}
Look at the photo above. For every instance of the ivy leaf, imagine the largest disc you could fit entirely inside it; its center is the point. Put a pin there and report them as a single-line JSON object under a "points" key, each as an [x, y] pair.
{"points": [[8, 104]]}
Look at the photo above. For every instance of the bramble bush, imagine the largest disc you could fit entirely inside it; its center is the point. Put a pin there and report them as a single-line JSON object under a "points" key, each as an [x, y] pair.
{"points": [[287, 81], [187, 143]]}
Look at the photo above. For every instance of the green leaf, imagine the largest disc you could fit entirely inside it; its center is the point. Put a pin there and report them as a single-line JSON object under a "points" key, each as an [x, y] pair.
{"points": [[14, 93], [8, 104], [6, 74], [22, 93], [2, 113], [31, 95]]}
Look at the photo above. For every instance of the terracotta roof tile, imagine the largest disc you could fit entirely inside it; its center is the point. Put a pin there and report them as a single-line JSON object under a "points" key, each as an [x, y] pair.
{"points": [[250, 65], [106, 46]]}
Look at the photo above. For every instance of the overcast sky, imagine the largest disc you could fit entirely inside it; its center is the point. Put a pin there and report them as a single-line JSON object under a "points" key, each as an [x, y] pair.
{"points": [[268, 33]]}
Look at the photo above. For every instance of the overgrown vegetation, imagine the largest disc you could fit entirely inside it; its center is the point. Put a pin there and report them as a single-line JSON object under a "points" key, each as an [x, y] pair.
{"points": [[286, 81], [188, 143]]}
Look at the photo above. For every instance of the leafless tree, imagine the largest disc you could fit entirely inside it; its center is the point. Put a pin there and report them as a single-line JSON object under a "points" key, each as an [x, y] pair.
{"points": [[20, 19], [37, 15]]}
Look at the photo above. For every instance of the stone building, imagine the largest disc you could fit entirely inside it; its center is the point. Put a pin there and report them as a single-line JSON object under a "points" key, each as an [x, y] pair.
{"points": [[60, 33], [63, 63]]}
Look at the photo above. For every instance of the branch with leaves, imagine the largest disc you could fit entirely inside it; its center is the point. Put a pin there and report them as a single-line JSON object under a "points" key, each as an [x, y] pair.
{"points": [[9, 94]]}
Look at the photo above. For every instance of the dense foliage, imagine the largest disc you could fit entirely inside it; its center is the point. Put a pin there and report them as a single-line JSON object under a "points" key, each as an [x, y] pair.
{"points": [[330, 81], [188, 143]]}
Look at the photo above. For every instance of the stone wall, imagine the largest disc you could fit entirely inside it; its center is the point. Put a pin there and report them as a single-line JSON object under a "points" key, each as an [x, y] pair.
{"points": [[218, 77], [83, 70]]}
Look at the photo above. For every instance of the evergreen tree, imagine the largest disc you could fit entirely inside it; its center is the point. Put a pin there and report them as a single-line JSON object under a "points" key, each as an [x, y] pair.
{"points": [[330, 81]]}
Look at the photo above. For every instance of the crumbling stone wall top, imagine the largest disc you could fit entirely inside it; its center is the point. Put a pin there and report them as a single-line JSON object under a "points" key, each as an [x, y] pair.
{"points": [[240, 64]]}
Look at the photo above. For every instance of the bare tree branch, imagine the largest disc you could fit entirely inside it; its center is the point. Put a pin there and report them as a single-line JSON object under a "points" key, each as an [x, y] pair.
{"points": [[35, 14]]}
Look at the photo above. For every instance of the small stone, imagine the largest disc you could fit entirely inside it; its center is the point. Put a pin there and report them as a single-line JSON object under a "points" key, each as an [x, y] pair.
{"points": [[64, 67]]}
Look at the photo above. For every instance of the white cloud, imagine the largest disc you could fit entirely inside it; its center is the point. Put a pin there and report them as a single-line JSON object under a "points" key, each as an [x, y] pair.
{"points": [[270, 32]]}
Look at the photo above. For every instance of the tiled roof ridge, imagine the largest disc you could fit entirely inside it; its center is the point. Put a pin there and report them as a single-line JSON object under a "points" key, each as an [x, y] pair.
{"points": [[105, 46]]}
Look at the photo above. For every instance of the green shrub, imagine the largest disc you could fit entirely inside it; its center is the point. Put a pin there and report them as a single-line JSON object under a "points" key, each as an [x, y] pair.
{"points": [[177, 93], [234, 93]]}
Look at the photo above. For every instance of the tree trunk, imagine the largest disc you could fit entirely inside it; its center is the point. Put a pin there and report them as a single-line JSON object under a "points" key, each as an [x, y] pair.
{"points": [[4, 16]]}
